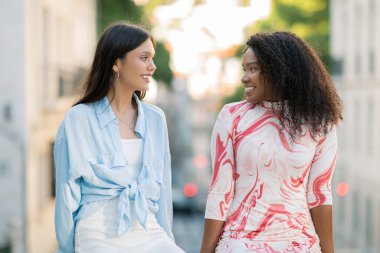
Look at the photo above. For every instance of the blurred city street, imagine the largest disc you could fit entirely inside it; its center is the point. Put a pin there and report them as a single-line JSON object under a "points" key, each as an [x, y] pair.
{"points": [[46, 49], [188, 230]]}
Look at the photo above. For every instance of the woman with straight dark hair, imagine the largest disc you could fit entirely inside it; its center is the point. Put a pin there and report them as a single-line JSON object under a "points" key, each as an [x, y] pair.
{"points": [[274, 154], [112, 159]]}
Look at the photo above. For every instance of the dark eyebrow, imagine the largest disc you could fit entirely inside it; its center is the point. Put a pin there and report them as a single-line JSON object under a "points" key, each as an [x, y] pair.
{"points": [[147, 52], [250, 63]]}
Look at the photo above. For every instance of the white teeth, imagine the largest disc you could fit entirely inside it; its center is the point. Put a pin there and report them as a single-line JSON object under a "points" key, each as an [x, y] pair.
{"points": [[145, 77], [248, 89]]}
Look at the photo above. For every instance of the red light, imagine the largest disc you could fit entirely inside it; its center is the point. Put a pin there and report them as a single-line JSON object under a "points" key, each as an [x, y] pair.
{"points": [[342, 189], [190, 190], [200, 161]]}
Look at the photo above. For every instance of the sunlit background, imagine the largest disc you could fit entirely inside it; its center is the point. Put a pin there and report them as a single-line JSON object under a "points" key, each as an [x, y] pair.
{"points": [[46, 48]]}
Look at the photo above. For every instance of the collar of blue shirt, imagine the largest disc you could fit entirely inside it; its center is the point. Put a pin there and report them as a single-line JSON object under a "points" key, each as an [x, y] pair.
{"points": [[106, 115]]}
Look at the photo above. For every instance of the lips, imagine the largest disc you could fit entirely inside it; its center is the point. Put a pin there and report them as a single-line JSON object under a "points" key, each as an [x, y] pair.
{"points": [[146, 77]]}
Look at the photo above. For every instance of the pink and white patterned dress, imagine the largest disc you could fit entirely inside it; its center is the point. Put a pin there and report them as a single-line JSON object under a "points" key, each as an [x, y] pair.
{"points": [[264, 183]]}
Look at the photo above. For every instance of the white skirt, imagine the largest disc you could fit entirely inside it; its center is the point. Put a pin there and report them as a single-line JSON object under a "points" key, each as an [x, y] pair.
{"points": [[98, 234]]}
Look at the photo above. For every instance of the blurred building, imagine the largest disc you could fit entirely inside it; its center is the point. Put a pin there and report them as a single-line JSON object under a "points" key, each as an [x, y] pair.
{"points": [[355, 46], [45, 48]]}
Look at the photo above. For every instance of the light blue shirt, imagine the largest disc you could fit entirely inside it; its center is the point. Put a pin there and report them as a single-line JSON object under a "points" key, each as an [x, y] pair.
{"points": [[91, 168]]}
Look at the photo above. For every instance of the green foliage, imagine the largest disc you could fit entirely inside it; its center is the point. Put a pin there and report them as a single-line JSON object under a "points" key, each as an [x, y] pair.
{"points": [[245, 2], [162, 61], [307, 19], [238, 95], [109, 11], [240, 51], [153, 4], [6, 249]]}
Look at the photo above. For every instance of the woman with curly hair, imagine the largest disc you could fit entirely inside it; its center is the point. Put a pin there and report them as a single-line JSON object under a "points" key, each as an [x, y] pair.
{"points": [[274, 154]]}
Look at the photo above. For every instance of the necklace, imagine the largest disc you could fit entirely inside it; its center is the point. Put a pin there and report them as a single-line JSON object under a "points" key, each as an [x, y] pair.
{"points": [[129, 125]]}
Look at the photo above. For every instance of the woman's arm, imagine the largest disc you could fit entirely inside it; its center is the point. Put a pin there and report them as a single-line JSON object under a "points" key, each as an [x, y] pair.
{"points": [[211, 233], [68, 193], [319, 189], [165, 212], [322, 219], [221, 191]]}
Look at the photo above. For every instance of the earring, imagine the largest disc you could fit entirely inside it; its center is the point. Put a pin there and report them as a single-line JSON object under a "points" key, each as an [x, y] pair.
{"points": [[117, 72]]}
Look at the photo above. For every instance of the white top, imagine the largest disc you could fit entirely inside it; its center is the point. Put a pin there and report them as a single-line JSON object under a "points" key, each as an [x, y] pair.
{"points": [[98, 232], [133, 153]]}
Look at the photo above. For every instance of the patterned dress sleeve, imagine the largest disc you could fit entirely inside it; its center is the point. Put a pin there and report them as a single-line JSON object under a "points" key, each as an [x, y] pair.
{"points": [[321, 171], [221, 190]]}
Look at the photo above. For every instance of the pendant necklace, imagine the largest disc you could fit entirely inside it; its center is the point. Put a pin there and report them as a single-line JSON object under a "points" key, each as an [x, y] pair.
{"points": [[129, 125]]}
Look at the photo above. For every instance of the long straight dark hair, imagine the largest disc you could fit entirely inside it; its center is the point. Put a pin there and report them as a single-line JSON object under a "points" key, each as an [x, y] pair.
{"points": [[116, 41]]}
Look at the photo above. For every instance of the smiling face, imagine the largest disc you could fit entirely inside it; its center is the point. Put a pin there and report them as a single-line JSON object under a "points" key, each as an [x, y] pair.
{"points": [[137, 67], [256, 87]]}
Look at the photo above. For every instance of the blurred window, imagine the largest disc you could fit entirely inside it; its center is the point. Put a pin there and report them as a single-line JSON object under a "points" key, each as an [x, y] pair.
{"points": [[7, 113], [69, 83], [342, 135], [371, 36], [378, 227], [341, 210], [355, 225], [345, 35], [337, 66], [368, 223], [46, 47], [52, 171], [358, 32], [357, 125], [370, 122]]}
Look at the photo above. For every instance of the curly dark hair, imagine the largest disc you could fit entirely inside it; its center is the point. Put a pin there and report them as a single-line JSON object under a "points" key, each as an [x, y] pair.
{"points": [[296, 75]]}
